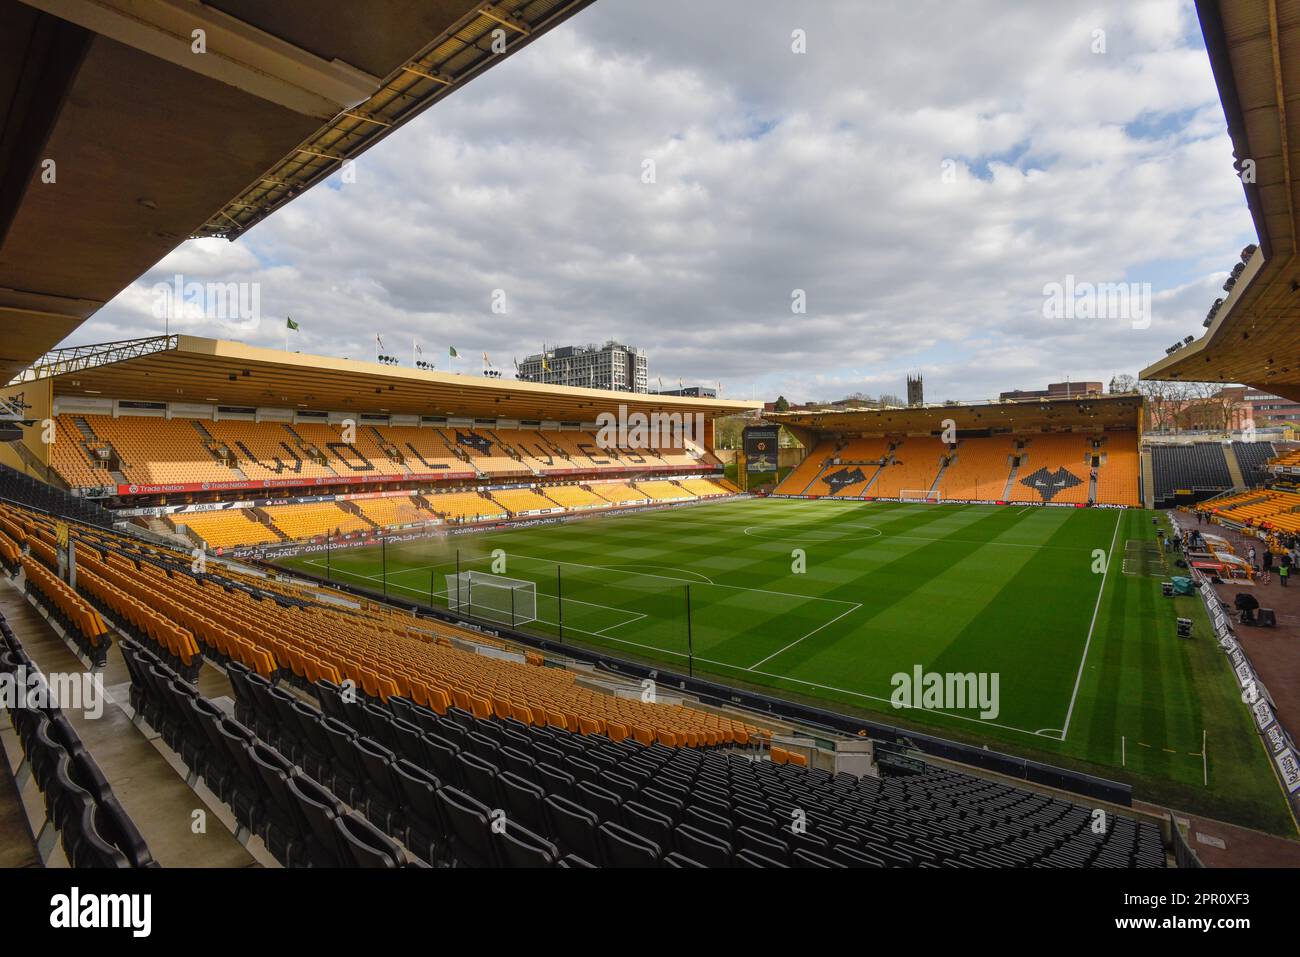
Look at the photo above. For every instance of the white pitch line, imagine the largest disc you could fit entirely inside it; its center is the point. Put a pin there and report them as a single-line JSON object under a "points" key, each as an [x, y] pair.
{"points": [[1078, 679], [797, 640]]}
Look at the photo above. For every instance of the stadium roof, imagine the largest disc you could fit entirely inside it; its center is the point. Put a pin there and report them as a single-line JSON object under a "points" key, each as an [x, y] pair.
{"points": [[1021, 415], [213, 371], [153, 142], [1254, 48]]}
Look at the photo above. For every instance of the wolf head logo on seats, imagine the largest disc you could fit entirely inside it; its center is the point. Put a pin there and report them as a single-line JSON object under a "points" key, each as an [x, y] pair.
{"points": [[843, 478], [1048, 482]]}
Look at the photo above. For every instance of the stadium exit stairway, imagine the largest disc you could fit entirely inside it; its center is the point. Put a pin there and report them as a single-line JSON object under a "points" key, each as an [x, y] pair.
{"points": [[149, 788], [1234, 467], [1148, 480], [1011, 483]]}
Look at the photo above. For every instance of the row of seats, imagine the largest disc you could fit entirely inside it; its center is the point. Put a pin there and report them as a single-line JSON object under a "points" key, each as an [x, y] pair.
{"points": [[157, 451], [229, 528], [79, 619], [440, 782], [226, 528], [1055, 467], [94, 830], [187, 615], [301, 822], [1196, 467], [1253, 459], [1266, 508]]}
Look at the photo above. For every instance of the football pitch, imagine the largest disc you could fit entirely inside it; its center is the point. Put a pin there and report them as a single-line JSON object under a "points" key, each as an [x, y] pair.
{"points": [[831, 602]]}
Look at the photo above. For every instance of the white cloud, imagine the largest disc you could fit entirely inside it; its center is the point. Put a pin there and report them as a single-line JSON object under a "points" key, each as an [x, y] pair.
{"points": [[775, 171]]}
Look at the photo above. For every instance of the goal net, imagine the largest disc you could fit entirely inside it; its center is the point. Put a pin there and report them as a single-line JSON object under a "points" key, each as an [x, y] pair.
{"points": [[492, 597], [919, 495]]}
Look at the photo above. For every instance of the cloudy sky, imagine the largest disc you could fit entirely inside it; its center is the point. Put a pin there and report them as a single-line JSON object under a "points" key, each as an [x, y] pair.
{"points": [[922, 172]]}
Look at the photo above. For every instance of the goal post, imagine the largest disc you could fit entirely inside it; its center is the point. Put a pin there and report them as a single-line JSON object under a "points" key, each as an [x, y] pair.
{"points": [[508, 601], [920, 495]]}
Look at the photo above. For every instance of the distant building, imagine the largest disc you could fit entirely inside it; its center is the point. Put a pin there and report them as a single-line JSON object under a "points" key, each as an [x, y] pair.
{"points": [[693, 392], [915, 390], [1264, 409], [612, 366], [1056, 390]]}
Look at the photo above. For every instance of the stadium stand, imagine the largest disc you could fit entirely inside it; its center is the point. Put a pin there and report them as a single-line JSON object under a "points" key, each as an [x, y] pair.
{"points": [[94, 830], [703, 488], [574, 496], [226, 528], [1053, 468], [1265, 508], [266, 450], [1190, 469], [1055, 465], [850, 468], [978, 469], [426, 783], [522, 500], [394, 510], [1119, 479], [619, 493], [311, 520], [151, 450], [466, 506], [664, 491], [1252, 459], [914, 466], [16, 487]]}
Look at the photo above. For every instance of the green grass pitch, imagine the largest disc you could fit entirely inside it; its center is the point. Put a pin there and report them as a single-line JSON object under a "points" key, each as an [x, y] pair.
{"points": [[826, 601]]}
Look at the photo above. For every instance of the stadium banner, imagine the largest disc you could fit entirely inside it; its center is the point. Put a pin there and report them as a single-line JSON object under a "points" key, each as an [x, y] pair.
{"points": [[760, 444]]}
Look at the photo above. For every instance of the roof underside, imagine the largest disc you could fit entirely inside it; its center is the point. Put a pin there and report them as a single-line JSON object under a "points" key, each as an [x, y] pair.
{"points": [[1254, 49], [1035, 415], [152, 143], [210, 371]]}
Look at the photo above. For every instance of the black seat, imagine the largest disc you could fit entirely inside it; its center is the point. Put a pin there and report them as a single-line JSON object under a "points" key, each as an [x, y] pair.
{"points": [[116, 827], [572, 826], [522, 800], [383, 793], [426, 832], [680, 860], [369, 846], [750, 858], [623, 848], [440, 757], [320, 808], [553, 780], [648, 822], [803, 857], [284, 828], [706, 848], [602, 802], [85, 846], [519, 847], [469, 827], [345, 765], [479, 777]]}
